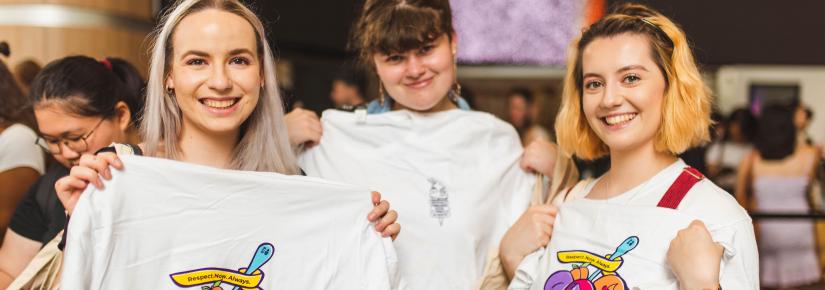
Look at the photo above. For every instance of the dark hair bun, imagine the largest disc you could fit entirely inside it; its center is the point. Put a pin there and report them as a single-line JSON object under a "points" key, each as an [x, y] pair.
{"points": [[4, 48]]}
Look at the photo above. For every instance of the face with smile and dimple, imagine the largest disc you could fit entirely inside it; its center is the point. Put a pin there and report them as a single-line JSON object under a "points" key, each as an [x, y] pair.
{"points": [[419, 79], [215, 71], [623, 91]]}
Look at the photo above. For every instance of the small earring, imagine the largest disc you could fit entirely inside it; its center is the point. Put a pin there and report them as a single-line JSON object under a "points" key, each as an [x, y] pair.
{"points": [[456, 92], [170, 92]]}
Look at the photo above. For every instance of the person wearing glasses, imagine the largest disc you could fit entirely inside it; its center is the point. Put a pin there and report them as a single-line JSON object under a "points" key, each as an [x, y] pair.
{"points": [[21, 163], [81, 105]]}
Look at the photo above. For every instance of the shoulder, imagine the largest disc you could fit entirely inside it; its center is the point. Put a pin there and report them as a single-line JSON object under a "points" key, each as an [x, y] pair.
{"points": [[485, 121], [122, 149], [500, 134], [18, 134], [574, 192], [713, 205], [18, 148]]}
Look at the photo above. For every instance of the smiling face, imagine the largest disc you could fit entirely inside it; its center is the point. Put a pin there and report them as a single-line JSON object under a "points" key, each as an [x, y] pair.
{"points": [[420, 79], [215, 71], [623, 91]]}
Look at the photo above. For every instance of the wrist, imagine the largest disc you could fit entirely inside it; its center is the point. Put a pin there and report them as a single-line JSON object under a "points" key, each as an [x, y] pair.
{"points": [[699, 285]]}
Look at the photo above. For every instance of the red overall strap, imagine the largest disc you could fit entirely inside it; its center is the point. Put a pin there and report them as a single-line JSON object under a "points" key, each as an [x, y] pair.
{"points": [[680, 188]]}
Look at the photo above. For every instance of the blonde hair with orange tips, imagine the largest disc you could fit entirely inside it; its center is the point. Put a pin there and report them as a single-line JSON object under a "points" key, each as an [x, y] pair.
{"points": [[687, 100]]}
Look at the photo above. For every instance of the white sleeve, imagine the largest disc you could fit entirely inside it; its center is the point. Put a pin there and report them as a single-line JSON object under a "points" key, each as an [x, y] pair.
{"points": [[528, 271], [740, 263], [18, 149], [79, 253], [378, 260], [712, 155], [515, 184]]}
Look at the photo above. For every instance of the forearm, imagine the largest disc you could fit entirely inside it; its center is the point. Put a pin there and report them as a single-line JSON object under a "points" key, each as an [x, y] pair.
{"points": [[509, 264], [5, 279], [700, 286]]}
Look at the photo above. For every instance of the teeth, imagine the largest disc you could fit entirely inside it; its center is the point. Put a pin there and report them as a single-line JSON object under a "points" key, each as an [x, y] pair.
{"points": [[223, 104], [618, 119]]}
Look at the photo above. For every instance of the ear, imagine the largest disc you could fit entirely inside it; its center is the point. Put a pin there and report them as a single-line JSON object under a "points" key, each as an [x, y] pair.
{"points": [[454, 43], [123, 116], [170, 82]]}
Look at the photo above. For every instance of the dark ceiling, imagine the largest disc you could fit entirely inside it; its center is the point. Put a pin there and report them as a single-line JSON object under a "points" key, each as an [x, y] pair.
{"points": [[751, 31], [723, 32]]}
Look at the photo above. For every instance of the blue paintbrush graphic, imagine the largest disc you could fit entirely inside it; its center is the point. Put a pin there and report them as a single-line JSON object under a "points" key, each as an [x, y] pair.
{"points": [[628, 244], [262, 255]]}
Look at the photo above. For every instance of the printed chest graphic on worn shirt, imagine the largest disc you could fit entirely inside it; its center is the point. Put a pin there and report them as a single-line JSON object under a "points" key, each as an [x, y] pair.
{"points": [[604, 275], [439, 200], [244, 278]]}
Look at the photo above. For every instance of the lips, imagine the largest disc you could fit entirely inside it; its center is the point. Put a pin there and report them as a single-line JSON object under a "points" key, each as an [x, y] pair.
{"points": [[617, 120], [420, 84], [219, 103], [221, 106]]}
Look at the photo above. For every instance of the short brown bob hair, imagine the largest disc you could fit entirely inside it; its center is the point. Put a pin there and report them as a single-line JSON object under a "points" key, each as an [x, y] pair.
{"points": [[396, 26]]}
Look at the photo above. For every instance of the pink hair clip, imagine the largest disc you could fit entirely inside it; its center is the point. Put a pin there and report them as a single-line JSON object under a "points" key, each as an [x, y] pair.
{"points": [[106, 63]]}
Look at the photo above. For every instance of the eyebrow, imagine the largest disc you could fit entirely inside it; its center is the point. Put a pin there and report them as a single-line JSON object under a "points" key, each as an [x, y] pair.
{"points": [[621, 70], [587, 75], [194, 52], [64, 134], [632, 67], [240, 51], [236, 51]]}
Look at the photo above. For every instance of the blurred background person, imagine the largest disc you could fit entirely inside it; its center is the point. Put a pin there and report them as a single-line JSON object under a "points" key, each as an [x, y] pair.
{"points": [[81, 105], [21, 161], [25, 72], [521, 111], [348, 87], [802, 119], [775, 179], [724, 156]]}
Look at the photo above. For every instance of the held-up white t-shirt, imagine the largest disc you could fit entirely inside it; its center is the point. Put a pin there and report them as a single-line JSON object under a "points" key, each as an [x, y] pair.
{"points": [[162, 224], [453, 177], [18, 149], [586, 232]]}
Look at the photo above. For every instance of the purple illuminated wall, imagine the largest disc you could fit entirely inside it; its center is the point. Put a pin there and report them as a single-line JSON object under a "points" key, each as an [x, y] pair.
{"points": [[533, 32]]}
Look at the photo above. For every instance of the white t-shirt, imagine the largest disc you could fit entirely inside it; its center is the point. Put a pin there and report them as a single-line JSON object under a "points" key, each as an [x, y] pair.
{"points": [[163, 224], [589, 230], [453, 177], [727, 154], [18, 149]]}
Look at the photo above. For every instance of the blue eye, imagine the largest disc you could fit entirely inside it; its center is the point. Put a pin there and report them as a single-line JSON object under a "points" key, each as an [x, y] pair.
{"points": [[591, 85], [239, 60], [196, 61], [631, 78]]}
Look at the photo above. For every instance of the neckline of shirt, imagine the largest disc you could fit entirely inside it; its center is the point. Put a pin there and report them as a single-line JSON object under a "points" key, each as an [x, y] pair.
{"points": [[666, 175]]}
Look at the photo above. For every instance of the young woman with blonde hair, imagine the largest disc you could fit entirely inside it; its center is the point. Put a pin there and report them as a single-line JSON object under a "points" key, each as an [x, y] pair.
{"points": [[212, 100], [633, 92]]}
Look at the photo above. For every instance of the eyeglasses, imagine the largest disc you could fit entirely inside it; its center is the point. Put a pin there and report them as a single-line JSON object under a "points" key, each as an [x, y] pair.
{"points": [[78, 144]]}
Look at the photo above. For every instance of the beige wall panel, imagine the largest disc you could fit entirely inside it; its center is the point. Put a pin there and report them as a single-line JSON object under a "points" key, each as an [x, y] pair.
{"points": [[47, 44], [141, 9]]}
